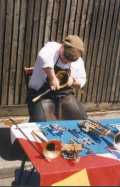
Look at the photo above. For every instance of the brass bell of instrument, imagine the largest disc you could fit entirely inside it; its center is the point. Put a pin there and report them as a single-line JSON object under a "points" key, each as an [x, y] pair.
{"points": [[63, 77], [52, 149]]}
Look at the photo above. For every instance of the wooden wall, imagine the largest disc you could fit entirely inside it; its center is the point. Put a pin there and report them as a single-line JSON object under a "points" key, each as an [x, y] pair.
{"points": [[25, 25]]}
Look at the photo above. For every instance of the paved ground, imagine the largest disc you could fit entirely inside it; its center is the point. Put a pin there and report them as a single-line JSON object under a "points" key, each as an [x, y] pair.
{"points": [[11, 155]]}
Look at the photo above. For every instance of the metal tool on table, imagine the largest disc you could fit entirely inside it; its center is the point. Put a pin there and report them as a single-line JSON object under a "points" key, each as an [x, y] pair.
{"points": [[86, 144], [71, 151], [24, 135], [91, 126]]}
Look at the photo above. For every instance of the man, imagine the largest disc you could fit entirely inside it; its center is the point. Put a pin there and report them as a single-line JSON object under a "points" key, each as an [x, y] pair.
{"points": [[61, 103]]}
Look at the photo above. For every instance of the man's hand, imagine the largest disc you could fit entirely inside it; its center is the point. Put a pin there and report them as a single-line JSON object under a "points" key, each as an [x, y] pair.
{"points": [[53, 80], [73, 82], [54, 83], [70, 81], [76, 83]]}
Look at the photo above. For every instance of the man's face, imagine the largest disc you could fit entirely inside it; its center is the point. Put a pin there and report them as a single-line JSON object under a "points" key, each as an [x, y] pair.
{"points": [[62, 57], [67, 59]]}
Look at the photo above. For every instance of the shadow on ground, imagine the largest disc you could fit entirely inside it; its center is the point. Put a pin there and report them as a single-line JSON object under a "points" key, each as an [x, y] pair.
{"points": [[9, 151]]}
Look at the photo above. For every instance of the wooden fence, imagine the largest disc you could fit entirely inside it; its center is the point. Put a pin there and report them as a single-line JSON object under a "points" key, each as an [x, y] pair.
{"points": [[25, 25]]}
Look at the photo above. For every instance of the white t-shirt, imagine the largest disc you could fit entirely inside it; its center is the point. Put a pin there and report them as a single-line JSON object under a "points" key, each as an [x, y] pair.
{"points": [[47, 57]]}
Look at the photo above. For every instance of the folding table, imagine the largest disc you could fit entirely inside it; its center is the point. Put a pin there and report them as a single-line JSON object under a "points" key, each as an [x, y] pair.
{"points": [[98, 165]]}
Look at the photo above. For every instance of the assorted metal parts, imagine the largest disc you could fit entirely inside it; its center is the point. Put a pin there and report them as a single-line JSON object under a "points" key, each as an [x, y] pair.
{"points": [[94, 126], [71, 151], [91, 126], [78, 142], [117, 126], [56, 129], [54, 148]]}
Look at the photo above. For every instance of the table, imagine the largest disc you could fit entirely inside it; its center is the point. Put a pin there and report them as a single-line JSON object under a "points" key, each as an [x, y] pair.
{"points": [[99, 165]]}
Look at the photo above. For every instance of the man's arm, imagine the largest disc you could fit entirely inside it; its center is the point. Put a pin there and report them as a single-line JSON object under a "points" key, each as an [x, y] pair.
{"points": [[78, 73]]}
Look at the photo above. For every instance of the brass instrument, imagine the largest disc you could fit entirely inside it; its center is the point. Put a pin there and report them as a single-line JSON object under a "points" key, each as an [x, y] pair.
{"points": [[50, 149], [62, 76], [54, 148], [97, 128]]}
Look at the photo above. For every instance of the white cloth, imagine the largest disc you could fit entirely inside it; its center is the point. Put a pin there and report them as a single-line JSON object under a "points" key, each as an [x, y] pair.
{"points": [[47, 57], [24, 131]]}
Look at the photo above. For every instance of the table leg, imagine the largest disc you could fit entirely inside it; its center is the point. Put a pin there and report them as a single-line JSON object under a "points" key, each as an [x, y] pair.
{"points": [[22, 170]]}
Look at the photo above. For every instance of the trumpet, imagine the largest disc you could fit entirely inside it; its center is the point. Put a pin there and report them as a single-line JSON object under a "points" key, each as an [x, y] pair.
{"points": [[62, 76], [91, 126]]}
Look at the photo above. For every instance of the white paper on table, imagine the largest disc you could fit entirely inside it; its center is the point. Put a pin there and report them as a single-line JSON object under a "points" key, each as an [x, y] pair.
{"points": [[26, 128]]}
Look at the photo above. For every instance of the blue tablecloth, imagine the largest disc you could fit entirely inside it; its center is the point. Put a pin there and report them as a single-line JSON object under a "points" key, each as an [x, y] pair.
{"points": [[71, 133]]}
